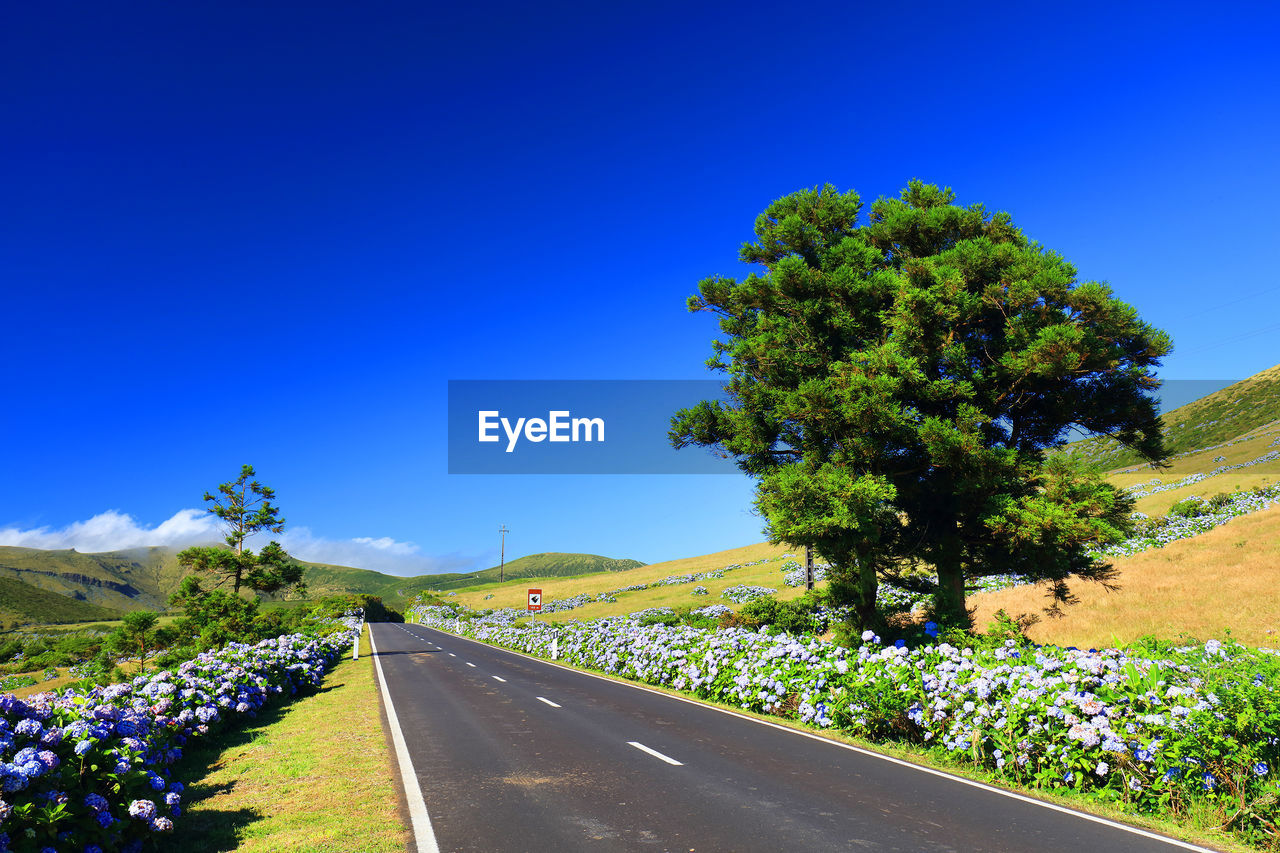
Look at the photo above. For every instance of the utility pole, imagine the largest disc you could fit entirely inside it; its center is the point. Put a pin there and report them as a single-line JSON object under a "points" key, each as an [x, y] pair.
{"points": [[808, 567], [502, 567]]}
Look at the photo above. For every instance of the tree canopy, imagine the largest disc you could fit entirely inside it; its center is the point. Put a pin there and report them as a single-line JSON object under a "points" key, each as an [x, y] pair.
{"points": [[896, 386], [245, 507]]}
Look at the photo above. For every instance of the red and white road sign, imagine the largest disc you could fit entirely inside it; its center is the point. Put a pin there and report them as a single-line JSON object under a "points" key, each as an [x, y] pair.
{"points": [[535, 599]]}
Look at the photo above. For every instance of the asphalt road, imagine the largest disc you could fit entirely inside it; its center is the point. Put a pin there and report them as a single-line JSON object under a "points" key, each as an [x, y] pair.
{"points": [[515, 754]]}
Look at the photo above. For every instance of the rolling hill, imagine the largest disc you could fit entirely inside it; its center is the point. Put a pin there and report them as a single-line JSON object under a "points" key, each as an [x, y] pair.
{"points": [[40, 584], [137, 579], [328, 580]]}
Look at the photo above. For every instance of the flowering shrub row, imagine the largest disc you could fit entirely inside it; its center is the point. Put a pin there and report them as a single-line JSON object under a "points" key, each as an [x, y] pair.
{"points": [[87, 771], [1155, 486], [1152, 729], [1175, 528]]}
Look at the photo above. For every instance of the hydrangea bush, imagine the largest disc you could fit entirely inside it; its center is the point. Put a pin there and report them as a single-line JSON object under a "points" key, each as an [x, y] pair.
{"points": [[1153, 728], [741, 593], [89, 770]]}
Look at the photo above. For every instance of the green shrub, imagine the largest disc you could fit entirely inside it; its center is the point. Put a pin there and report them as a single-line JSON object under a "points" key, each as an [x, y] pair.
{"points": [[669, 618], [1192, 507], [797, 616], [1220, 500]]}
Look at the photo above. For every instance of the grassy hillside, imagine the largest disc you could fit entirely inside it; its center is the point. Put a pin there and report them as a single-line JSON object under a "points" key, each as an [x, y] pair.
{"points": [[143, 578], [766, 571], [120, 580], [22, 604], [1217, 418], [1248, 461], [329, 580]]}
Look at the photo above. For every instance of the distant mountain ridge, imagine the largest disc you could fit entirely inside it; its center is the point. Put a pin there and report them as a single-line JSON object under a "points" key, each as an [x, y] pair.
{"points": [[327, 580], [65, 585]]}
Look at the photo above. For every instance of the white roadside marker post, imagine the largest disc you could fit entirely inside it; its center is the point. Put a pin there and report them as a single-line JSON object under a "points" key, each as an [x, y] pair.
{"points": [[355, 647]]}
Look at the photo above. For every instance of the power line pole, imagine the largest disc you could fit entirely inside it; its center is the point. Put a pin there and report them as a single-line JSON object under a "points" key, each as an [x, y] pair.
{"points": [[502, 567]]}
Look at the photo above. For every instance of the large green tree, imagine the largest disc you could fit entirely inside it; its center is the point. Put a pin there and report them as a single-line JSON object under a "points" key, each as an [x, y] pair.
{"points": [[897, 386], [244, 506]]}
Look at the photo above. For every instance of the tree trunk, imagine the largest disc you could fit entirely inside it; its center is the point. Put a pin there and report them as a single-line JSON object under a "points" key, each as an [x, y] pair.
{"points": [[868, 585], [948, 602]]}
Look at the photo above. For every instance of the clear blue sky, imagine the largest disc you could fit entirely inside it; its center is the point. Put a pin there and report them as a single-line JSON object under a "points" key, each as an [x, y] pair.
{"points": [[270, 232]]}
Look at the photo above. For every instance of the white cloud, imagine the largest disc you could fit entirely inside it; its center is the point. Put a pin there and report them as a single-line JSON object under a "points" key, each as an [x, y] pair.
{"points": [[382, 554], [386, 543], [115, 531]]}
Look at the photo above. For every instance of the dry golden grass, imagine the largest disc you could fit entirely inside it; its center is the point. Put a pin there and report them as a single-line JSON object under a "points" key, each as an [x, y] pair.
{"points": [[1226, 578], [513, 593]]}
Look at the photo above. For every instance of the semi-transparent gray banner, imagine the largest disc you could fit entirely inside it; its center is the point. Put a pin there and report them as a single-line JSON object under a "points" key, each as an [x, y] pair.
{"points": [[575, 427], [619, 426]]}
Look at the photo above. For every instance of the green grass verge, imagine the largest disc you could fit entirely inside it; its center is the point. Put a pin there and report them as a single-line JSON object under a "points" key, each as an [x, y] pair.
{"points": [[314, 774]]}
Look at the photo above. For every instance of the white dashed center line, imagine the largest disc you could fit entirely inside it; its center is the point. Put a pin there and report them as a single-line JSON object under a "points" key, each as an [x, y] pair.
{"points": [[499, 678], [549, 702], [469, 663], [655, 753], [452, 655]]}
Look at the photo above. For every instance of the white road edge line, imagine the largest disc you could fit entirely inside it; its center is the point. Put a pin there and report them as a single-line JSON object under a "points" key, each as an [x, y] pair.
{"points": [[424, 837], [1154, 836], [549, 702], [499, 678], [655, 753]]}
